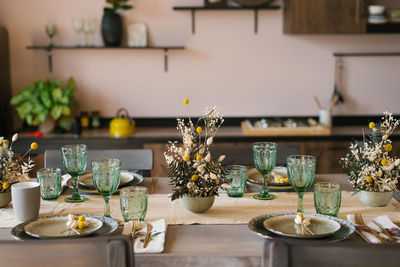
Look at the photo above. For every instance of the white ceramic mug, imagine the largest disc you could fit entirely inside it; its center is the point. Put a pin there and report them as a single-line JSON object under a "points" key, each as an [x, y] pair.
{"points": [[26, 200], [325, 117]]}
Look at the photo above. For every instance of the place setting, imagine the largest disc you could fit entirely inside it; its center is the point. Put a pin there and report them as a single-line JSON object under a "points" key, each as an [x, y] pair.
{"points": [[323, 225]]}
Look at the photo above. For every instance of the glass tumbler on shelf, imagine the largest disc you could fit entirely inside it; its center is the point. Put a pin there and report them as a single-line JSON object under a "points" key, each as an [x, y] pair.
{"points": [[50, 183], [301, 173], [74, 159], [106, 177], [237, 180], [327, 198], [133, 202], [264, 155]]}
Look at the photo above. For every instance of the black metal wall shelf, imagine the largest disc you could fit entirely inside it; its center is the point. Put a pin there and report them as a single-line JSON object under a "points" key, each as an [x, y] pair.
{"points": [[256, 9], [50, 49], [367, 54]]}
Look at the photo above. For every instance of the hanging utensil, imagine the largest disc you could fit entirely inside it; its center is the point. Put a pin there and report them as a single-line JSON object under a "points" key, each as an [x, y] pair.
{"points": [[338, 80]]}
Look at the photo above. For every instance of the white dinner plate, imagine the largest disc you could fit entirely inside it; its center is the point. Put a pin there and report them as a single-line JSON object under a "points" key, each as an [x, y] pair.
{"points": [[55, 226]]}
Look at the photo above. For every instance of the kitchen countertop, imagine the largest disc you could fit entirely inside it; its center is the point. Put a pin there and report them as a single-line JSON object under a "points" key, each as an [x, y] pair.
{"points": [[99, 138]]}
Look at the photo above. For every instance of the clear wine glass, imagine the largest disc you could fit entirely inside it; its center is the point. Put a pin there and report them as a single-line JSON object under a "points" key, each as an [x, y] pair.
{"points": [[106, 175], [301, 172], [264, 155], [51, 30], [74, 158], [77, 23], [89, 28]]}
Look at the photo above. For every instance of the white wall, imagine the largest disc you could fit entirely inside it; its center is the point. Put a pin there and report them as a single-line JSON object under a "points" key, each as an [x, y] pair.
{"points": [[224, 63]]}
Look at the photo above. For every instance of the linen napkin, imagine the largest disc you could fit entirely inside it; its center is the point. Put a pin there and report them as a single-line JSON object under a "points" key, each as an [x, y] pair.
{"points": [[157, 240], [384, 221], [64, 179]]}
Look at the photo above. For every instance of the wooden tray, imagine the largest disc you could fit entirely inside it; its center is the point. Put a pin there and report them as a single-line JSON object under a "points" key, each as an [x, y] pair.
{"points": [[317, 130]]}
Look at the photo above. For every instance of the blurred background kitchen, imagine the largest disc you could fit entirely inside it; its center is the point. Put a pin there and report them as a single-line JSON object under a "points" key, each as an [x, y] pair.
{"points": [[278, 71]]}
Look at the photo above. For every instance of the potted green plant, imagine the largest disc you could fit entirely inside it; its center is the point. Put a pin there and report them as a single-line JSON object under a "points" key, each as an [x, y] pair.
{"points": [[111, 25], [45, 101]]}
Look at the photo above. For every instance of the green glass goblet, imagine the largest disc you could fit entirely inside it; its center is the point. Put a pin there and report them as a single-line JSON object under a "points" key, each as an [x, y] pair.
{"points": [[264, 155], [106, 175], [74, 159], [301, 173]]}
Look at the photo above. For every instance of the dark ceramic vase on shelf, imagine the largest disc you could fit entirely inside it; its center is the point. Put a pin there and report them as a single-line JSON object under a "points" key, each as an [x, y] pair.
{"points": [[111, 29]]}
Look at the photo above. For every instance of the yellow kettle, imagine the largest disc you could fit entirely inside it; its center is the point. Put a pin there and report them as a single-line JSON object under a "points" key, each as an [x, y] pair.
{"points": [[122, 126]]}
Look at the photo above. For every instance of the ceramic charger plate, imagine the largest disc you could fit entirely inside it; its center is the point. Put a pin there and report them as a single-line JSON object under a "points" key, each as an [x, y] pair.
{"points": [[55, 226], [346, 230], [109, 226], [284, 225]]}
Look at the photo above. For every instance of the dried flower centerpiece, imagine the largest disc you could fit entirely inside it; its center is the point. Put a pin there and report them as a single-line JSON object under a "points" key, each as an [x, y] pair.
{"points": [[368, 163], [191, 168], [13, 168]]}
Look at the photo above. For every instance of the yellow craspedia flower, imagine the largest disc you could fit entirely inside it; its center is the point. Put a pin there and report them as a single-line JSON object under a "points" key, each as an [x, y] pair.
{"points": [[388, 147], [82, 218], [384, 162], [186, 158], [34, 146], [286, 180], [1, 148], [81, 225], [198, 157], [195, 177], [199, 130], [185, 101], [5, 143], [301, 215], [371, 125], [6, 185], [369, 179]]}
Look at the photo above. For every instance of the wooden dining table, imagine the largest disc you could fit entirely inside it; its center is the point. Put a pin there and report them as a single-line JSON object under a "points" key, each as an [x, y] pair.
{"points": [[210, 244]]}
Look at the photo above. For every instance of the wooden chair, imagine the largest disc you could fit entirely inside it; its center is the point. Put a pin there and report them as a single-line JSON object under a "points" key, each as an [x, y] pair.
{"points": [[115, 251], [137, 160], [279, 253], [243, 155]]}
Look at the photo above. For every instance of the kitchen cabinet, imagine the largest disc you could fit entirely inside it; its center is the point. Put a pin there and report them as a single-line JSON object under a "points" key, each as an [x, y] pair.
{"points": [[324, 16]]}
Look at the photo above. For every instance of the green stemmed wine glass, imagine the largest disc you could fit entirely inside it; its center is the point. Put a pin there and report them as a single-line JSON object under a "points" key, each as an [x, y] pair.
{"points": [[74, 158], [264, 155], [301, 172], [106, 174]]}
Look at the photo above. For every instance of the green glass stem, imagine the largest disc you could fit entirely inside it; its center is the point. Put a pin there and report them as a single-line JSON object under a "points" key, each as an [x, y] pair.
{"points": [[107, 206], [75, 190], [264, 187], [300, 202]]}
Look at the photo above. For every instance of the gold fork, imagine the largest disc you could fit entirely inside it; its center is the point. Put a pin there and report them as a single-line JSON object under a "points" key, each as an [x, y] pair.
{"points": [[136, 226], [360, 221]]}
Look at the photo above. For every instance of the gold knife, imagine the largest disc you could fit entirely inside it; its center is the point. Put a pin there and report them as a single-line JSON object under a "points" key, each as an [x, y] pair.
{"points": [[147, 238], [386, 232]]}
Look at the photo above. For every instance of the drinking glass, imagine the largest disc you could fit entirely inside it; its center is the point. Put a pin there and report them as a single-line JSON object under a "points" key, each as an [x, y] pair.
{"points": [[106, 174], [301, 173], [264, 155], [133, 202], [237, 179], [74, 158], [77, 23], [50, 183], [327, 198], [51, 31]]}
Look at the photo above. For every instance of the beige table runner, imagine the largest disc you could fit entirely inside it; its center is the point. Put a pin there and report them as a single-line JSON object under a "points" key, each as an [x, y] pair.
{"points": [[225, 210]]}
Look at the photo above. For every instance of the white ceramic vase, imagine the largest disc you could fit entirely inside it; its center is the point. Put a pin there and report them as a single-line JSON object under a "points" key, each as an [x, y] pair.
{"points": [[198, 204], [375, 199]]}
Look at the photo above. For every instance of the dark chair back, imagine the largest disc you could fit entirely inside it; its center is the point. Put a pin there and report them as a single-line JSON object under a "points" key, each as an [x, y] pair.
{"points": [[115, 251], [138, 160], [279, 253], [243, 155]]}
